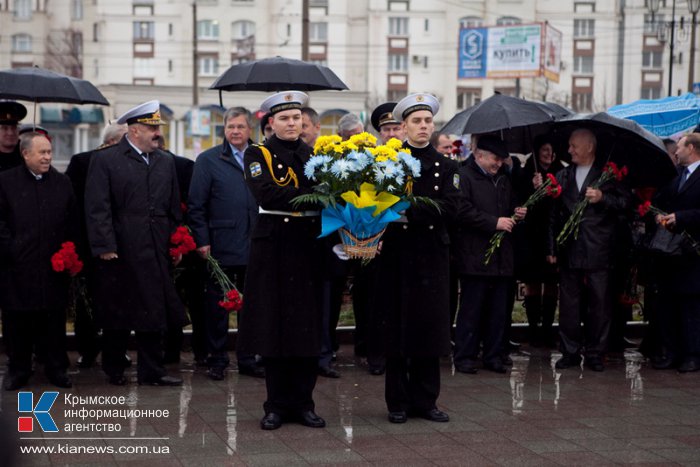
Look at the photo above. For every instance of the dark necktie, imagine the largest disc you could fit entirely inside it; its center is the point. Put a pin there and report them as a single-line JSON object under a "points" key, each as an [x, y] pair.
{"points": [[145, 156], [684, 177]]}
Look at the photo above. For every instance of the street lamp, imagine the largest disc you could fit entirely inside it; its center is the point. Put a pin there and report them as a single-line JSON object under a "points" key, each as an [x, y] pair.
{"points": [[693, 7], [653, 9]]}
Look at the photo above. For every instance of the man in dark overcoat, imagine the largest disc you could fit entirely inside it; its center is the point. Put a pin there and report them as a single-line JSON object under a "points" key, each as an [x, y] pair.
{"points": [[132, 205], [10, 115], [222, 213], [282, 318], [680, 274], [410, 304], [585, 262], [487, 206], [37, 215]]}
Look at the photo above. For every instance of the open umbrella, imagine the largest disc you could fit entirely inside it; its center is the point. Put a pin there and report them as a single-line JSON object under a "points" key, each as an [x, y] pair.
{"points": [[623, 142], [40, 85], [277, 74], [663, 117]]}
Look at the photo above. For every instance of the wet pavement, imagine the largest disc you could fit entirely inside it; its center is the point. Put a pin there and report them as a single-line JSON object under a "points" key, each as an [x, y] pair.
{"points": [[534, 415]]}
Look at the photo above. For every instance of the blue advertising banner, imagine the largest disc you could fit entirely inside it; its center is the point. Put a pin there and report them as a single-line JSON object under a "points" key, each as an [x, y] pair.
{"points": [[472, 52]]}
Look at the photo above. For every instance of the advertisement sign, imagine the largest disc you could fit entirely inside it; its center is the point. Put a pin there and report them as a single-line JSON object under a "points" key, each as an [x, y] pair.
{"points": [[528, 50], [200, 122]]}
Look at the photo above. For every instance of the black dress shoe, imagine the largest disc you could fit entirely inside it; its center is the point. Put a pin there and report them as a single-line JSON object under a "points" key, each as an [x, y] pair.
{"points": [[310, 419], [513, 346], [496, 366], [60, 380], [665, 363], [398, 417], [86, 361], [594, 363], [117, 380], [567, 361], [468, 368], [216, 373], [328, 372], [17, 381], [506, 360], [255, 371], [271, 421], [435, 415], [689, 365], [162, 381]]}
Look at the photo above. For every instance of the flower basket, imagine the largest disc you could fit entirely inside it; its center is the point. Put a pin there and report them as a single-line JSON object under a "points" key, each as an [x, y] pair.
{"points": [[359, 246]]}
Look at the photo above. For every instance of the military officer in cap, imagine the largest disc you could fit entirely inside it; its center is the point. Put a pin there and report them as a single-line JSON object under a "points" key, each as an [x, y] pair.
{"points": [[384, 121], [281, 318], [411, 311], [10, 114], [132, 204]]}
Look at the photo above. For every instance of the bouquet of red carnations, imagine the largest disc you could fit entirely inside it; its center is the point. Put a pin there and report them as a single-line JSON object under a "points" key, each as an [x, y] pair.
{"points": [[233, 300], [66, 259], [182, 242]]}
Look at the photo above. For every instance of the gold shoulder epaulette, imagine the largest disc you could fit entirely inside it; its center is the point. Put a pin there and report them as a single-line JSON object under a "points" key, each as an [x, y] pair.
{"points": [[282, 181]]}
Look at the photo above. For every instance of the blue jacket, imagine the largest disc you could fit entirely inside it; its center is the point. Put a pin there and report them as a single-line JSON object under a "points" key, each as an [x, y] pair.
{"points": [[221, 209]]}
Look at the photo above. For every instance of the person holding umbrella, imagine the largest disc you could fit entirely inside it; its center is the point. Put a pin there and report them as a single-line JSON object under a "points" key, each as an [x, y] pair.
{"points": [[282, 317], [10, 115]]}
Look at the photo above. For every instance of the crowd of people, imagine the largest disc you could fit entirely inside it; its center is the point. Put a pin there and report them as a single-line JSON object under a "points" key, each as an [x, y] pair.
{"points": [[120, 203]]}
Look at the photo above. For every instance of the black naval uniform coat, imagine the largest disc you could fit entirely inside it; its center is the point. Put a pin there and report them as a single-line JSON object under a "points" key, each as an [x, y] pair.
{"points": [[410, 305], [281, 314], [131, 208], [9, 160]]}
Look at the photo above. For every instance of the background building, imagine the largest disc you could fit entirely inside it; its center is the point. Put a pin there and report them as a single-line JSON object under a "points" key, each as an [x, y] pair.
{"points": [[133, 50]]}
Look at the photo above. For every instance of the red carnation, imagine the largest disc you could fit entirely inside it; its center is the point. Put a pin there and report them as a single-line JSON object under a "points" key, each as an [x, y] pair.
{"points": [[66, 259], [552, 179], [644, 208], [182, 242]]}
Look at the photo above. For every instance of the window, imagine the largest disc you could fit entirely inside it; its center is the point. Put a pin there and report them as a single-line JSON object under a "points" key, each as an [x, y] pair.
{"points": [[395, 95], [143, 10], [584, 7], [582, 101], [322, 62], [21, 43], [467, 98], [318, 32], [583, 64], [144, 30], [398, 26], [170, 66], [23, 9], [650, 93], [77, 42], [95, 32], [508, 20], [77, 9], [144, 67], [471, 22], [398, 63], [651, 59], [207, 29], [426, 25], [662, 4], [208, 66], [584, 27], [398, 5], [651, 25]]}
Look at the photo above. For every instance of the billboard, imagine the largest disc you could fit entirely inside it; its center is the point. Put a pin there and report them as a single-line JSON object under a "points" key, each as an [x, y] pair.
{"points": [[528, 50]]}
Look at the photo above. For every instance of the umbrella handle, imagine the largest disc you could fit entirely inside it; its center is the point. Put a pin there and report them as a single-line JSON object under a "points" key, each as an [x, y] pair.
{"points": [[221, 99]]}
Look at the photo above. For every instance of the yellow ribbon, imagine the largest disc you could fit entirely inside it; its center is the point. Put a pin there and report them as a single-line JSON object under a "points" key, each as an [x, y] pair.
{"points": [[368, 197]]}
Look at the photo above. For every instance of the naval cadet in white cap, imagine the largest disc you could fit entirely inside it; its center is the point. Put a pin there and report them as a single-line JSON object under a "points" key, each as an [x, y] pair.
{"points": [[411, 312], [132, 204], [281, 318]]}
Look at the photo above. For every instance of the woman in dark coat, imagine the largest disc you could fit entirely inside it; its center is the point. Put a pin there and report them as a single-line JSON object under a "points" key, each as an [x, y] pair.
{"points": [[531, 268]]}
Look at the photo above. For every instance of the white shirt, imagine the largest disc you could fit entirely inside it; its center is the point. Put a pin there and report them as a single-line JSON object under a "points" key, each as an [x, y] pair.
{"points": [[581, 174]]}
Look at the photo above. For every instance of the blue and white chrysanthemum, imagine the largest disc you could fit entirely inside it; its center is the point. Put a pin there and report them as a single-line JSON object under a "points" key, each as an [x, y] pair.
{"points": [[388, 171], [411, 162], [315, 163], [360, 160], [342, 168]]}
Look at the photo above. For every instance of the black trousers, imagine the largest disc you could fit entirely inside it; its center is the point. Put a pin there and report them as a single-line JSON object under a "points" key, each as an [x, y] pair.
{"points": [[25, 329], [87, 339], [290, 384], [412, 384], [150, 353], [190, 284], [585, 296], [679, 324]]}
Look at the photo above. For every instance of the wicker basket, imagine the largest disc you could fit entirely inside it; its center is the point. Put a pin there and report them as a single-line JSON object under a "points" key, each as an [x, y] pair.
{"points": [[358, 247]]}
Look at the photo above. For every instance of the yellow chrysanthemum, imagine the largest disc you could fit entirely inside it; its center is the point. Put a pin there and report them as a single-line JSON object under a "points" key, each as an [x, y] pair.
{"points": [[368, 197], [394, 144], [385, 152], [349, 146], [324, 144], [364, 139]]}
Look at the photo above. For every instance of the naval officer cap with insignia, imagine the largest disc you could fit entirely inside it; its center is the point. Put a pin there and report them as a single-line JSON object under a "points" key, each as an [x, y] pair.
{"points": [[384, 120], [144, 126], [285, 113], [10, 114], [416, 111]]}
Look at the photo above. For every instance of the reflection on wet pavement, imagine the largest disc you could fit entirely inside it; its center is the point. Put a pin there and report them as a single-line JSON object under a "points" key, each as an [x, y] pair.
{"points": [[534, 415]]}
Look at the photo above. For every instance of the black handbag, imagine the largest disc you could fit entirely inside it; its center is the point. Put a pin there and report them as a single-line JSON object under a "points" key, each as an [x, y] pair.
{"points": [[665, 243]]}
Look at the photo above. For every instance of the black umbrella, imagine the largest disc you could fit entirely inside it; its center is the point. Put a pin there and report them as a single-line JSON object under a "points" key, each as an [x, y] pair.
{"points": [[624, 142], [40, 85]]}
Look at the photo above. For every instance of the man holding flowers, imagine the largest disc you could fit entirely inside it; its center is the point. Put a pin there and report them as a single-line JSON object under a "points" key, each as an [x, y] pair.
{"points": [[410, 307], [586, 211]]}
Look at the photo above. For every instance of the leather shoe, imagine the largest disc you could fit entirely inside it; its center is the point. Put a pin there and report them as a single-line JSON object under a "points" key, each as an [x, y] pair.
{"points": [[271, 421], [328, 372], [398, 417], [594, 363], [256, 371], [117, 380], [665, 363], [60, 380], [468, 368], [496, 366], [506, 360], [85, 361], [17, 381], [435, 415], [310, 419], [216, 373], [163, 381], [689, 365], [567, 361]]}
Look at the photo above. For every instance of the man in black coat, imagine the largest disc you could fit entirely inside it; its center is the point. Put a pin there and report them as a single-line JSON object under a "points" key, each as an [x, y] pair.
{"points": [[37, 215], [678, 283], [487, 206], [132, 205], [10, 114], [410, 304], [282, 318], [585, 262]]}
